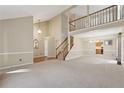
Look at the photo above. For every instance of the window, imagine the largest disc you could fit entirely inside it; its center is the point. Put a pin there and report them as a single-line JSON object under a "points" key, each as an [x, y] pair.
{"points": [[108, 42]]}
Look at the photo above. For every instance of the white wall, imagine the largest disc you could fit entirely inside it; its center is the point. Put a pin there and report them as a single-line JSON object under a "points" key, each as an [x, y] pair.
{"points": [[122, 55], [76, 51], [64, 27], [50, 30], [81, 10], [56, 29], [40, 37], [83, 47], [1, 37], [89, 48], [94, 8], [78, 11], [51, 47], [1, 44], [17, 41]]}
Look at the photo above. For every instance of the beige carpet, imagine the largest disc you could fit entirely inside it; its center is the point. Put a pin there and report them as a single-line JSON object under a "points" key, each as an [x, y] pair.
{"points": [[77, 73]]}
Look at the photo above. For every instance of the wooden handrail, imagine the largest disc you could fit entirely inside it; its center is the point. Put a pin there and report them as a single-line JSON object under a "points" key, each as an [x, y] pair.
{"points": [[100, 17], [58, 54], [62, 43], [72, 24], [78, 19], [92, 13], [68, 51], [102, 10], [63, 49]]}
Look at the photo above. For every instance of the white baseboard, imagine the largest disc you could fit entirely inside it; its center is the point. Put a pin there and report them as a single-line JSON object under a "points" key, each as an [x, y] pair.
{"points": [[7, 67]]}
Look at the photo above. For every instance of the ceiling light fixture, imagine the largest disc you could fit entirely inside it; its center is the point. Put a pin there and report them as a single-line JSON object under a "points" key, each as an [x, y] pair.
{"points": [[39, 30]]}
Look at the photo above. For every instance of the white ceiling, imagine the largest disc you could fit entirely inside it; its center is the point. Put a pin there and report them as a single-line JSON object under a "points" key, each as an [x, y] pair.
{"points": [[42, 12]]}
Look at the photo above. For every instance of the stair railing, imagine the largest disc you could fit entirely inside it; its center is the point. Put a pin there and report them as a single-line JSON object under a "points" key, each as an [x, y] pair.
{"points": [[106, 15], [62, 49]]}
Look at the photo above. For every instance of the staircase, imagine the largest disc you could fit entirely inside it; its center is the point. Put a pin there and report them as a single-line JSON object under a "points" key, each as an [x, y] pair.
{"points": [[102, 17], [63, 49]]}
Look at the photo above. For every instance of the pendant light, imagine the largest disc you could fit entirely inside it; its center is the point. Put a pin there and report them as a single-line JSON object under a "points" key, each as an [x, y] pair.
{"points": [[39, 30]]}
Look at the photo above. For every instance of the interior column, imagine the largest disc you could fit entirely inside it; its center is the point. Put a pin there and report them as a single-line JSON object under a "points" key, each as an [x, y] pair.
{"points": [[119, 49]]}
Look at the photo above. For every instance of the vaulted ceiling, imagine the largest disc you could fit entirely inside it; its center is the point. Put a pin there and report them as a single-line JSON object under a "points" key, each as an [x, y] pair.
{"points": [[42, 12]]}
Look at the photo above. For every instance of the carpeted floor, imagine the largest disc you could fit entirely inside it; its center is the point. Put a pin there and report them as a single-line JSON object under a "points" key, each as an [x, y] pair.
{"points": [[83, 72]]}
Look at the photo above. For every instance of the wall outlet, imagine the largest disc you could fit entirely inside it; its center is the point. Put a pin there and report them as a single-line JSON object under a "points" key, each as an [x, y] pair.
{"points": [[20, 59]]}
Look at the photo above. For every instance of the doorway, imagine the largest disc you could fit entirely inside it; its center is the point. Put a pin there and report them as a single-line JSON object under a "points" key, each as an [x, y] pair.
{"points": [[99, 47]]}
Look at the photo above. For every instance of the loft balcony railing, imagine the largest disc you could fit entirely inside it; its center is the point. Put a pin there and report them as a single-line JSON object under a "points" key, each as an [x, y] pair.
{"points": [[106, 15]]}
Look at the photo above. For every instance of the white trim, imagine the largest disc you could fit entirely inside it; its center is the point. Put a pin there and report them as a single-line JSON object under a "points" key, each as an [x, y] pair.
{"points": [[119, 12], [7, 67], [11, 53], [83, 30]]}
